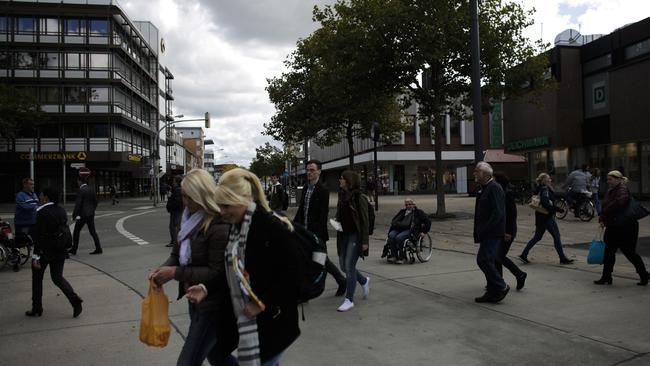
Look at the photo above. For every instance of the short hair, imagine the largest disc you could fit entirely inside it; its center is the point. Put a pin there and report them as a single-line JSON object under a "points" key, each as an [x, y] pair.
{"points": [[83, 180], [318, 163], [352, 179], [485, 167], [25, 180], [541, 177], [585, 166], [52, 194], [409, 199]]}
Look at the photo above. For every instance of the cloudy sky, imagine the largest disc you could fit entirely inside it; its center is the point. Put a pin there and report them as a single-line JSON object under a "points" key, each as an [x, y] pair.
{"points": [[222, 51]]}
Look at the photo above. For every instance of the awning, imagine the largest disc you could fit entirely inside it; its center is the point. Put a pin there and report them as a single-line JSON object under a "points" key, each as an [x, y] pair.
{"points": [[499, 156]]}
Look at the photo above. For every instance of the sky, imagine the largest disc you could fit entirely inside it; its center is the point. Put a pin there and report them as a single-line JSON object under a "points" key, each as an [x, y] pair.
{"points": [[222, 52]]}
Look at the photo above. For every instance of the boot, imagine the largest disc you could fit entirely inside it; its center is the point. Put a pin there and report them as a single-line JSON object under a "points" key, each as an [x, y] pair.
{"points": [[604, 280], [34, 312], [644, 278], [76, 307]]}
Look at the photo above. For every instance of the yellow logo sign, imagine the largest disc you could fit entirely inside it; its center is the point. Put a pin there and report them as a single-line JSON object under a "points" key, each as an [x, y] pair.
{"points": [[133, 157], [81, 155]]}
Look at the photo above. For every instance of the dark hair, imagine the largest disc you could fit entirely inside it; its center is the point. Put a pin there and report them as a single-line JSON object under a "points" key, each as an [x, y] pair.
{"points": [[502, 179], [318, 163], [51, 193], [25, 180], [83, 180], [352, 179], [585, 166]]}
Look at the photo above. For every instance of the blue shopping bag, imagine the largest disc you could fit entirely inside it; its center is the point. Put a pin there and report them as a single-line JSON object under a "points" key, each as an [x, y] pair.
{"points": [[596, 252]]}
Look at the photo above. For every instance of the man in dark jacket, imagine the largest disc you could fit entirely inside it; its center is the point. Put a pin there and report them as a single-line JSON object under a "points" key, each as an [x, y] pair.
{"points": [[312, 214], [175, 208], [25, 215], [489, 231], [84, 214], [277, 196]]}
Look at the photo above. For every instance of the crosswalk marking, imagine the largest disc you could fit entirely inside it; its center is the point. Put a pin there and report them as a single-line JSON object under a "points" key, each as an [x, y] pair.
{"points": [[119, 226]]}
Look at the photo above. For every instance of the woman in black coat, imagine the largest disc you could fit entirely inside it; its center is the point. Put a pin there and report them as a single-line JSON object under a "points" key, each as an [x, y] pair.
{"points": [[48, 250]]}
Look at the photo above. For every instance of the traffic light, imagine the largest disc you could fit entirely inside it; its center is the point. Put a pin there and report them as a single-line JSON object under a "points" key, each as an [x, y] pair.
{"points": [[207, 119]]}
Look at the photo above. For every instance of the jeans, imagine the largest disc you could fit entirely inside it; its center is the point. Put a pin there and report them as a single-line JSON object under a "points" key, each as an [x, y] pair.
{"points": [[595, 198], [395, 240], [201, 341], [78, 225], [552, 228], [348, 262], [56, 273], [486, 259], [504, 261], [174, 225]]}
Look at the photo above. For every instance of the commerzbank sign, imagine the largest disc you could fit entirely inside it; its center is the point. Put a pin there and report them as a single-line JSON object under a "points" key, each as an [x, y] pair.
{"points": [[81, 155], [528, 143]]}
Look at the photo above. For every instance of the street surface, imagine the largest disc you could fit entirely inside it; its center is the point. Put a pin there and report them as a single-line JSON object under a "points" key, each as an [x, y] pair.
{"points": [[419, 314]]}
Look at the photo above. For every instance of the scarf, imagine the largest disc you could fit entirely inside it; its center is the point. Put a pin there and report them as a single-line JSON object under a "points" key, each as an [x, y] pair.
{"points": [[189, 224], [241, 292]]}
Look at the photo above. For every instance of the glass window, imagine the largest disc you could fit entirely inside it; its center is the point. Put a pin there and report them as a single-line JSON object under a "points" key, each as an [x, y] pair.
{"points": [[25, 25], [76, 60], [49, 26], [98, 60], [50, 95], [98, 95], [99, 130], [49, 60], [74, 130], [48, 131], [75, 27], [3, 24], [25, 60], [98, 27], [637, 49], [5, 60], [75, 94]]}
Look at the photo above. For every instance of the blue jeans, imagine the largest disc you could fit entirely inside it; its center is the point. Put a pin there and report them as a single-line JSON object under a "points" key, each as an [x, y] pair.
{"points": [[395, 240], [348, 262], [201, 341], [596, 200], [552, 228], [486, 259], [274, 361]]}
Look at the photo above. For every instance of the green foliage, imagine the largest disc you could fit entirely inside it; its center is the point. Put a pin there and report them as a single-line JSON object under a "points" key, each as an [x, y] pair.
{"points": [[18, 110], [269, 160]]}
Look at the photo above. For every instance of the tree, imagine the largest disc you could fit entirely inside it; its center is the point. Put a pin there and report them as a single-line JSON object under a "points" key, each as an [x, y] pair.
{"points": [[269, 160], [18, 110]]}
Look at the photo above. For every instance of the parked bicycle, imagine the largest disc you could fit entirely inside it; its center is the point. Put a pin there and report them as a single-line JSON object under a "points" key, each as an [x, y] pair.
{"points": [[522, 193], [585, 208], [16, 250]]}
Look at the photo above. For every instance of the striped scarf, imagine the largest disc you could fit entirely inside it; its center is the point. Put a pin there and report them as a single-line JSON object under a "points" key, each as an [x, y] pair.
{"points": [[241, 292]]}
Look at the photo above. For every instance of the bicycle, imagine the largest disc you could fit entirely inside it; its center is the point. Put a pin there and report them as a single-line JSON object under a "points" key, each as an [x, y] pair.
{"points": [[586, 209], [14, 250]]}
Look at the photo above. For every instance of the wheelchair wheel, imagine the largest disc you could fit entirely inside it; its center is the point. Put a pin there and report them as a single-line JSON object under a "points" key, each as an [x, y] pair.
{"points": [[424, 248], [561, 204], [587, 211], [4, 256], [25, 254]]}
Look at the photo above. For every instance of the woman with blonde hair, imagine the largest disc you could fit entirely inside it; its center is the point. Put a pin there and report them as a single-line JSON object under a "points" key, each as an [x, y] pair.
{"points": [[198, 258], [262, 269], [545, 221]]}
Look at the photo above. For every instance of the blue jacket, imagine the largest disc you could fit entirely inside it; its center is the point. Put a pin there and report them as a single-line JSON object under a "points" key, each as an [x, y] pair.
{"points": [[26, 204], [490, 212]]}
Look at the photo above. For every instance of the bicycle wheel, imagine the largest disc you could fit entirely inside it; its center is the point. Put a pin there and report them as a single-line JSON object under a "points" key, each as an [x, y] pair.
{"points": [[4, 256], [587, 211], [424, 248], [563, 208]]}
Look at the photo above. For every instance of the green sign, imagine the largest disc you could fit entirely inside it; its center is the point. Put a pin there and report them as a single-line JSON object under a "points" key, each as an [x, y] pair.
{"points": [[496, 125], [528, 143]]}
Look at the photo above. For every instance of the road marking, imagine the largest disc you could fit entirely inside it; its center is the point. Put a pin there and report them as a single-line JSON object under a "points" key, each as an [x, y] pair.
{"points": [[144, 208], [119, 226], [72, 222]]}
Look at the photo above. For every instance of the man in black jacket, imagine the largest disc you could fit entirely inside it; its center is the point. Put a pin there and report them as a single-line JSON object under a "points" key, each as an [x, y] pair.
{"points": [[489, 231], [312, 214], [175, 208], [84, 214]]}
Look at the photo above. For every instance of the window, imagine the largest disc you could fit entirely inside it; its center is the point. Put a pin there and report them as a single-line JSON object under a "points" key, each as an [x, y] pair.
{"points": [[3, 24], [637, 49], [25, 60], [74, 130], [5, 60], [98, 27], [49, 60], [25, 25], [50, 95], [99, 130], [75, 95], [98, 60], [98, 95], [49, 26], [75, 27], [76, 60], [48, 131]]}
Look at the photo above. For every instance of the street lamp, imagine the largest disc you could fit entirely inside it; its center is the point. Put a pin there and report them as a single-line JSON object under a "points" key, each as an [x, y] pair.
{"points": [[476, 80], [375, 137]]}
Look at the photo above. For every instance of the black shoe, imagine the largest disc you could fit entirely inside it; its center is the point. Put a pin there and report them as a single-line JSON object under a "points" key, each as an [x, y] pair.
{"points": [[644, 279], [97, 251], [521, 280], [169, 245], [566, 261], [487, 297], [341, 290], [502, 294], [34, 312], [523, 259], [16, 267], [77, 308], [72, 252], [604, 281]]}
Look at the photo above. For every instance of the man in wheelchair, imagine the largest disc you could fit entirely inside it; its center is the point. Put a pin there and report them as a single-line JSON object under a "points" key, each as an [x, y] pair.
{"points": [[410, 222]]}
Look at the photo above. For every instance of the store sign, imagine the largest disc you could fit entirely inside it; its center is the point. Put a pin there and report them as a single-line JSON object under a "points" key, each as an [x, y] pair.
{"points": [[599, 95], [134, 157], [528, 143], [496, 124], [81, 155]]}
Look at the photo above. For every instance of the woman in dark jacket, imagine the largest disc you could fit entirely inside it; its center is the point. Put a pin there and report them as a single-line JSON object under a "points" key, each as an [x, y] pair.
{"points": [[198, 257], [408, 219], [50, 217], [353, 241], [619, 234], [545, 221], [262, 272]]}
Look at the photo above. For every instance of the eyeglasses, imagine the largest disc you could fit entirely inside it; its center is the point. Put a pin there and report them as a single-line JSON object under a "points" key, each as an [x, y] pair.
{"points": [[409, 204]]}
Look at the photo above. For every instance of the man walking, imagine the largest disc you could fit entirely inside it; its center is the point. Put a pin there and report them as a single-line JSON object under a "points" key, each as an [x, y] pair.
{"points": [[25, 215], [312, 214], [84, 214], [489, 231], [175, 208], [277, 197]]}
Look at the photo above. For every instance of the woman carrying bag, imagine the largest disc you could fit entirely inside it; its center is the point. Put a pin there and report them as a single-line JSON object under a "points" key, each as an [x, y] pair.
{"points": [[620, 232]]}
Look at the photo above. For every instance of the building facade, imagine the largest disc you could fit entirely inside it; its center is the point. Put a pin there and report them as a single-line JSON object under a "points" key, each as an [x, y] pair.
{"points": [[94, 72], [193, 141], [596, 114]]}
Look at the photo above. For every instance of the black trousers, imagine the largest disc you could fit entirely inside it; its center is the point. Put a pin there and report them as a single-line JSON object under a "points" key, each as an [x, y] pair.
{"points": [[622, 237], [504, 261], [174, 225], [90, 221], [56, 273]]}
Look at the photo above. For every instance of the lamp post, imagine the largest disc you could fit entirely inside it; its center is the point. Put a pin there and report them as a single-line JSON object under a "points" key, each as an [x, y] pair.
{"points": [[476, 80], [375, 137]]}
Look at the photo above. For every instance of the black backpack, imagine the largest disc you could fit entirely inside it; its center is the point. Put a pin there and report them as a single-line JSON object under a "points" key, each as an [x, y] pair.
{"points": [[63, 239], [371, 214], [312, 251]]}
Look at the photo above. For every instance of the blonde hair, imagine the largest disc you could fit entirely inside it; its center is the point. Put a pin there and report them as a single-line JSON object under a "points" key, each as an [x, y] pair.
{"points": [[542, 177], [199, 186], [240, 187], [617, 174]]}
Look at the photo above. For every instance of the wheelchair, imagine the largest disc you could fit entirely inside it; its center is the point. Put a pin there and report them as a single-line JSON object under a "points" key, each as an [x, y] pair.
{"points": [[415, 246]]}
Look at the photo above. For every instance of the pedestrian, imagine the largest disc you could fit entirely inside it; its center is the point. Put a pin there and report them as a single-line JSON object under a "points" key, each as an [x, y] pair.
{"points": [[408, 220], [113, 193], [577, 184], [163, 191], [262, 268], [25, 215], [175, 208], [277, 196], [84, 214], [47, 251], [199, 258], [312, 213], [510, 233], [489, 231], [371, 186], [620, 232], [595, 190], [545, 221], [352, 241]]}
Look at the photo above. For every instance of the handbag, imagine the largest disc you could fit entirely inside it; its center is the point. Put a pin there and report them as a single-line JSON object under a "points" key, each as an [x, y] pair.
{"points": [[632, 212], [536, 204], [596, 250], [154, 325]]}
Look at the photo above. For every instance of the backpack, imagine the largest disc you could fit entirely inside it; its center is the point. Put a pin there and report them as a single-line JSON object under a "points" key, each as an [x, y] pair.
{"points": [[312, 251], [371, 215], [63, 239]]}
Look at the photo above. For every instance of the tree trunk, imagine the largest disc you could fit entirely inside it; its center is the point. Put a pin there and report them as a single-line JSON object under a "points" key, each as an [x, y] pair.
{"points": [[350, 139], [440, 190]]}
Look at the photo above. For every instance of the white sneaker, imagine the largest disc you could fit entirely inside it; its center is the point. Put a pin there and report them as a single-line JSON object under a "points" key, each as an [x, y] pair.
{"points": [[366, 288], [347, 305]]}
